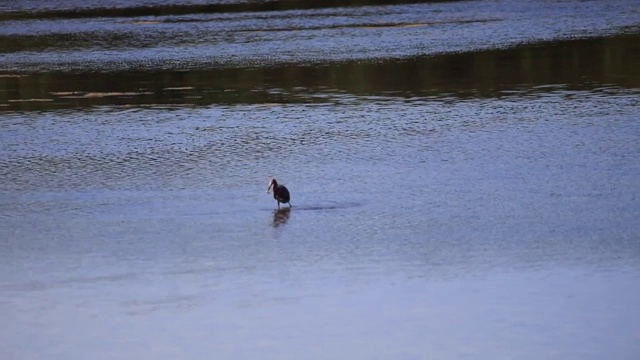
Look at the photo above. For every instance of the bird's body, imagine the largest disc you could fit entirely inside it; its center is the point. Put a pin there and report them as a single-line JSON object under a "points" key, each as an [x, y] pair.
{"points": [[280, 193]]}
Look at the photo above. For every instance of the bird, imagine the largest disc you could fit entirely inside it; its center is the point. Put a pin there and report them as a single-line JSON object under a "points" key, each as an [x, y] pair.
{"points": [[280, 193]]}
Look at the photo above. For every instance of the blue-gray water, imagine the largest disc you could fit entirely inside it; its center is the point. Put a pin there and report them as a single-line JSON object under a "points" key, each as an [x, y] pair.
{"points": [[464, 177]]}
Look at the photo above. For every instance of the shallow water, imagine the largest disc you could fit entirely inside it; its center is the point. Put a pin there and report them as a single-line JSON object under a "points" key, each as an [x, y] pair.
{"points": [[475, 197]]}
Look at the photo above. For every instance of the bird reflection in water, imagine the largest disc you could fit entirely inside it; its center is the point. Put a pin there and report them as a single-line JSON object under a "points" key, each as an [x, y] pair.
{"points": [[281, 216]]}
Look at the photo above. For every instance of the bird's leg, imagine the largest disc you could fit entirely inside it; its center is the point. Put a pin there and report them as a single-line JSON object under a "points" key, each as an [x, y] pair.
{"points": [[289, 204], [278, 205]]}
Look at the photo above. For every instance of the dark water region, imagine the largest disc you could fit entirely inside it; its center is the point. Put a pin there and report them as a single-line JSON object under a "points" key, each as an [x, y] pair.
{"points": [[308, 36], [570, 64], [464, 180], [121, 8], [299, 55]]}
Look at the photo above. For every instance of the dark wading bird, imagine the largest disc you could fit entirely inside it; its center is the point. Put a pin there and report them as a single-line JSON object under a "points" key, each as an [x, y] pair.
{"points": [[280, 193]]}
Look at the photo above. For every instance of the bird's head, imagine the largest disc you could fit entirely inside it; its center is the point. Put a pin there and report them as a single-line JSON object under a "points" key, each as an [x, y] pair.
{"points": [[272, 184]]}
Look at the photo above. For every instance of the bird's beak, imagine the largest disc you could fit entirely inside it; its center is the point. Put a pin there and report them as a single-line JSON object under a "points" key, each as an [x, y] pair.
{"points": [[269, 189]]}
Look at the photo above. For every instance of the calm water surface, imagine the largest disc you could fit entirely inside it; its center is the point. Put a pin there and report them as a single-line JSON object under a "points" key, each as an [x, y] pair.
{"points": [[464, 179]]}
